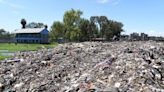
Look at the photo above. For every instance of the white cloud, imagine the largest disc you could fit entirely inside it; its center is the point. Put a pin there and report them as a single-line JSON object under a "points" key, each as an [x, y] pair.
{"points": [[102, 1], [12, 5], [113, 2], [16, 6]]}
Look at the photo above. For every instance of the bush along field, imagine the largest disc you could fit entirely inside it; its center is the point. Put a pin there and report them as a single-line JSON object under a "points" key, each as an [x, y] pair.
{"points": [[7, 49]]}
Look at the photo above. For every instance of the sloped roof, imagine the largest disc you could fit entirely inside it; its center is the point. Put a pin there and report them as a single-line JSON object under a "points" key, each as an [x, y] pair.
{"points": [[29, 30]]}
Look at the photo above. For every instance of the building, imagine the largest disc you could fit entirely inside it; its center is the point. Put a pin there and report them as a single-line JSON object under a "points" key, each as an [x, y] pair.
{"points": [[155, 38], [124, 37], [144, 37], [6, 40], [32, 35], [135, 37]]}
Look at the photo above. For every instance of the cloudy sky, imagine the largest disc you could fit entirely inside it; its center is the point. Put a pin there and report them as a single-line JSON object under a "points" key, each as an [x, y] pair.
{"points": [[136, 15]]}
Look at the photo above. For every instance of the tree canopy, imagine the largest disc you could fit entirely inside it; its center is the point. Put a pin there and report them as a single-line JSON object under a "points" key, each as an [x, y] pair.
{"points": [[4, 34], [76, 28], [2, 31], [35, 25], [71, 21], [57, 30]]}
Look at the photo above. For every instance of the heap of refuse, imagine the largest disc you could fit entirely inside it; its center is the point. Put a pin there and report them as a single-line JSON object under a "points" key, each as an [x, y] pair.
{"points": [[86, 67]]}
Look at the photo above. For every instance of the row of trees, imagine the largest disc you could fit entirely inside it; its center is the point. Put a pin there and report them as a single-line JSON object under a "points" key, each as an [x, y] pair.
{"points": [[31, 24], [76, 28], [4, 34]]}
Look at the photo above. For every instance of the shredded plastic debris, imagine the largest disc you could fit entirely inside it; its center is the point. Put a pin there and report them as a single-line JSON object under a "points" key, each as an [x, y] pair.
{"points": [[86, 67]]}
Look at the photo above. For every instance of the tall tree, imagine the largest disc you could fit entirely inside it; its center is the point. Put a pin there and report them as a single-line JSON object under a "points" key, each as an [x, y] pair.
{"points": [[85, 29], [107, 28], [71, 22], [95, 27], [23, 22], [75, 28], [115, 29], [102, 22], [2, 31], [57, 30], [4, 34]]}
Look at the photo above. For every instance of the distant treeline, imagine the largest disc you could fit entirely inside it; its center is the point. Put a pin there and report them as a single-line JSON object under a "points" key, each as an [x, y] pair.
{"points": [[5, 36]]}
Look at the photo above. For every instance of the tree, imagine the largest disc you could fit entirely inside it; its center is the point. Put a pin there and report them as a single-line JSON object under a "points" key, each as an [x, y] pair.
{"points": [[75, 28], [2, 31], [35, 25], [4, 34], [71, 22], [41, 25], [85, 29], [23, 22], [107, 28], [102, 22], [57, 30], [88, 30], [115, 29]]}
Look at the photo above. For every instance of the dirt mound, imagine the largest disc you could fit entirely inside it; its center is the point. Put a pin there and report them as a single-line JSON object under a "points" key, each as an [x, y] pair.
{"points": [[86, 67]]}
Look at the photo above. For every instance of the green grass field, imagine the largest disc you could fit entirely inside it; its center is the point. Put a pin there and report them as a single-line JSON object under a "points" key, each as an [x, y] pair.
{"points": [[4, 57], [23, 47]]}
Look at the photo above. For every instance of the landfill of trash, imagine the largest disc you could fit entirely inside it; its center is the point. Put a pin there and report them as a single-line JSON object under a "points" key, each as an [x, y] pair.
{"points": [[87, 67]]}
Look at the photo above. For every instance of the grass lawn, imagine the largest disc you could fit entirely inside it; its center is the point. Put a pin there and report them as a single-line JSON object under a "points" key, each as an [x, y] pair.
{"points": [[4, 57], [22, 47]]}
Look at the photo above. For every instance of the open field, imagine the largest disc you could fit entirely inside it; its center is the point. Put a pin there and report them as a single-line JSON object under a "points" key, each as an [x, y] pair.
{"points": [[11, 48], [3, 57], [24, 47]]}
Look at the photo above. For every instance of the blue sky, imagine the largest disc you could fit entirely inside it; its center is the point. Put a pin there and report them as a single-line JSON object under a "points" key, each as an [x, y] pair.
{"points": [[136, 15]]}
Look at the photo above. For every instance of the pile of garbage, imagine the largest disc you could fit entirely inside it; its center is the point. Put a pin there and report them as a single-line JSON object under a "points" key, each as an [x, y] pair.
{"points": [[86, 67]]}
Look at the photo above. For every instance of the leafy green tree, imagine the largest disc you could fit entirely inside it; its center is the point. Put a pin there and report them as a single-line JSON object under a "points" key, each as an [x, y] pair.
{"points": [[85, 29], [41, 25], [102, 22], [88, 29], [93, 32], [4, 34], [35, 25], [57, 30], [116, 28], [2, 31], [71, 22], [107, 28], [23, 22], [75, 28]]}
